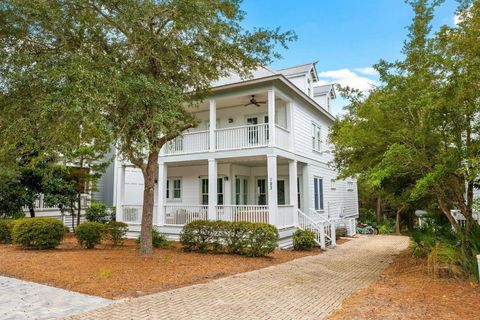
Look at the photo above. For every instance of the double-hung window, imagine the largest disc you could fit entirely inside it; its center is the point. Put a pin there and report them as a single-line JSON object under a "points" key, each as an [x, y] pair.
{"points": [[174, 189], [318, 193], [316, 137], [204, 191]]}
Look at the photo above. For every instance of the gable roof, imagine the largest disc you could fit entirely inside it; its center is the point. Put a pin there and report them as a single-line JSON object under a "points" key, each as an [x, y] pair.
{"points": [[301, 69], [260, 72], [324, 89]]}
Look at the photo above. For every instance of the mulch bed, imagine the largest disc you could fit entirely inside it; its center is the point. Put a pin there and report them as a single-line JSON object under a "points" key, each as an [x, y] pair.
{"points": [[406, 291], [120, 272]]}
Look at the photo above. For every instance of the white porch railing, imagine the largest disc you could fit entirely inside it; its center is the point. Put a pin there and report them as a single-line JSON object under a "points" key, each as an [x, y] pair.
{"points": [[183, 214], [462, 221], [252, 213], [321, 230], [282, 137], [285, 216], [197, 141], [133, 214], [249, 136]]}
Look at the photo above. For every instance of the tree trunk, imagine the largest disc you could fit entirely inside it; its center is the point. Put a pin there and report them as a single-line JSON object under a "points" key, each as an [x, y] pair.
{"points": [[72, 212], [379, 210], [32, 211], [397, 219], [446, 211], [79, 209], [80, 185], [150, 172]]}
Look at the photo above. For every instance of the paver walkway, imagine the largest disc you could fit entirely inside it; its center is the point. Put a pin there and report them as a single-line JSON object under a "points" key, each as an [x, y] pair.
{"points": [[27, 300], [306, 288]]}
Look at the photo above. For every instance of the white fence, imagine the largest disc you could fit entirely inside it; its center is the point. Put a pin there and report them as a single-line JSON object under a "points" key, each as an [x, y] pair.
{"points": [[40, 204], [191, 142], [252, 213], [242, 137], [183, 214]]}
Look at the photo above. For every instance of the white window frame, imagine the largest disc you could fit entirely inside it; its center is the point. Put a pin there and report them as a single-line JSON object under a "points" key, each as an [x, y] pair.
{"points": [[220, 184], [320, 197], [316, 137], [350, 185], [333, 184], [170, 192]]}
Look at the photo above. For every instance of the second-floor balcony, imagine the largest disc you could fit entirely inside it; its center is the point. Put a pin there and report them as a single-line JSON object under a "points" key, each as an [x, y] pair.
{"points": [[237, 126], [233, 138]]}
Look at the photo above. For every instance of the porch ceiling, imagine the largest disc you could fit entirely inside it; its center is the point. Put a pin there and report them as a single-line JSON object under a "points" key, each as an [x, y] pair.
{"points": [[237, 100], [256, 161]]}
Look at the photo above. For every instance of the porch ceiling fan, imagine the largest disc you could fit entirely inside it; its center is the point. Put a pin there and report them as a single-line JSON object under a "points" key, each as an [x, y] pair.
{"points": [[255, 102]]}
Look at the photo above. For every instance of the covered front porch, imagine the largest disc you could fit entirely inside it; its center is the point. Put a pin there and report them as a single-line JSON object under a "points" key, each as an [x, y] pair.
{"points": [[261, 188]]}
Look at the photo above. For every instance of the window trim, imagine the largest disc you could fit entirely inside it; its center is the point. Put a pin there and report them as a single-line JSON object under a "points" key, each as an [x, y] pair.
{"points": [[321, 196], [350, 185], [333, 184], [316, 136], [170, 189]]}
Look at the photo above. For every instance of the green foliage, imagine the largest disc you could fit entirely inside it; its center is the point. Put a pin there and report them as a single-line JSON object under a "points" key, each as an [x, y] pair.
{"points": [[303, 240], [6, 229], [89, 234], [246, 238], [386, 226], [38, 233], [116, 231], [442, 245], [97, 212], [159, 240]]}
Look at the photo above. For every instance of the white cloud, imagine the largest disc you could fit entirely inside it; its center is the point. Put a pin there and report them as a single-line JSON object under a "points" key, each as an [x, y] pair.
{"points": [[369, 71], [347, 77]]}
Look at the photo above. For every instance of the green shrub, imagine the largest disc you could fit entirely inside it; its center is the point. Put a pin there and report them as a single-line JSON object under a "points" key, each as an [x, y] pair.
{"points": [[261, 240], [6, 229], [159, 240], [198, 235], [303, 240], [116, 232], [89, 234], [385, 227], [246, 238], [97, 212], [38, 233], [340, 232]]}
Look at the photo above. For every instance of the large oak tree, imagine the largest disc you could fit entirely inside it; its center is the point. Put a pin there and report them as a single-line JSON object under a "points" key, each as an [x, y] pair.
{"points": [[130, 68]]}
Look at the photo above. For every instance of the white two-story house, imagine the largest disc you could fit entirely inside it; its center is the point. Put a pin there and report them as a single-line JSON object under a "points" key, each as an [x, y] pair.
{"points": [[260, 153]]}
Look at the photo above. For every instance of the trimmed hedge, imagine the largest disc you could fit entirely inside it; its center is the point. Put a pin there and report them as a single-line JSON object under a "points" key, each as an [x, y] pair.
{"points": [[116, 231], [97, 212], [6, 229], [245, 238], [38, 233], [89, 234], [303, 240]]}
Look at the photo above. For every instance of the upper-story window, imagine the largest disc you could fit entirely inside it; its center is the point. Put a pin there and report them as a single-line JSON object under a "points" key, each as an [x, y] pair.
{"points": [[350, 185], [316, 137]]}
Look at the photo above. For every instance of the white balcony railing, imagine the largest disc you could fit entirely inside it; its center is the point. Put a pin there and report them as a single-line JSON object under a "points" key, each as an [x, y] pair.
{"points": [[249, 136], [251, 213], [191, 142], [40, 204], [183, 214], [282, 137]]}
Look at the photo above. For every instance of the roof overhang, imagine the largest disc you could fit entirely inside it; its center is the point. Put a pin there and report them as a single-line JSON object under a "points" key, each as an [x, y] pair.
{"points": [[275, 79]]}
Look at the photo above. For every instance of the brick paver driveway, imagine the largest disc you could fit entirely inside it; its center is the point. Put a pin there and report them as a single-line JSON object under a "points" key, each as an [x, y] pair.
{"points": [[27, 300], [306, 288]]}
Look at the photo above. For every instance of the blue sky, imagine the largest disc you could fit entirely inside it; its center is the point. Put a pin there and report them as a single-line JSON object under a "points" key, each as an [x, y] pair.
{"points": [[346, 37]]}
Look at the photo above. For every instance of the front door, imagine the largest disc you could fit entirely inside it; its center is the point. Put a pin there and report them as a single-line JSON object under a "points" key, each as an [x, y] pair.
{"points": [[241, 190]]}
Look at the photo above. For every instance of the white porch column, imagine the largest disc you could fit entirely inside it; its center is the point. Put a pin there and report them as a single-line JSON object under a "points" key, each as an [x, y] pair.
{"points": [[292, 179], [213, 125], [271, 117], [212, 188], [291, 136], [272, 188], [119, 191], [307, 190], [161, 192]]}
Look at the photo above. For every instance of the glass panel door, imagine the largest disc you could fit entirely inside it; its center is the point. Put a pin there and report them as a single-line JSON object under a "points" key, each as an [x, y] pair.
{"points": [[262, 191], [281, 192], [253, 130]]}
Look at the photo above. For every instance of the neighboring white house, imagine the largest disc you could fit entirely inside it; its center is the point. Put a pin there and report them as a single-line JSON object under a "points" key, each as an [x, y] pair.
{"points": [[260, 153]]}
